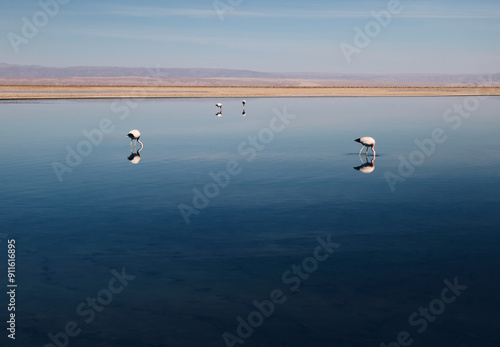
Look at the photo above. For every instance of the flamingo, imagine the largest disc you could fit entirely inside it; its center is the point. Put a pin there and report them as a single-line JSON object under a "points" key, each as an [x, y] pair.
{"points": [[367, 142], [219, 113], [134, 135]]}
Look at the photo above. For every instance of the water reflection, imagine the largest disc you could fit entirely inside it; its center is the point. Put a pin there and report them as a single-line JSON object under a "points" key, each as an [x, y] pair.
{"points": [[135, 158], [366, 167]]}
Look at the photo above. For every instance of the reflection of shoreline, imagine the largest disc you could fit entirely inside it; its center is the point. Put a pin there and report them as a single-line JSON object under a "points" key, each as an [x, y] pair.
{"points": [[9, 92]]}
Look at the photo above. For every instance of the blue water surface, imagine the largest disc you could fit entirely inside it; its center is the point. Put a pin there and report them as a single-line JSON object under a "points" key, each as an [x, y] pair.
{"points": [[420, 218]]}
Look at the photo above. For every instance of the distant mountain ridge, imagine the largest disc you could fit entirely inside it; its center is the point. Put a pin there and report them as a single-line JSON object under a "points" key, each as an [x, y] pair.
{"points": [[10, 71]]}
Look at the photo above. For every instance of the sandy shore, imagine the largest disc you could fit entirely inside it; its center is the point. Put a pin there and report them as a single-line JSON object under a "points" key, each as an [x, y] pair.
{"points": [[16, 92]]}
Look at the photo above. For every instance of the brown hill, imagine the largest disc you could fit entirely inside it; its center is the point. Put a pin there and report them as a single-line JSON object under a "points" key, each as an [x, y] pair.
{"points": [[102, 75]]}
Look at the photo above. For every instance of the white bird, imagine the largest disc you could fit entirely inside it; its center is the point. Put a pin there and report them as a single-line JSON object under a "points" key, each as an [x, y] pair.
{"points": [[134, 135], [244, 103], [367, 142], [219, 113]]}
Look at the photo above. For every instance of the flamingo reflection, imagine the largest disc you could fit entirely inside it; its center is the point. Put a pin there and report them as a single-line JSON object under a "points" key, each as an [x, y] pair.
{"points": [[135, 158], [366, 167]]}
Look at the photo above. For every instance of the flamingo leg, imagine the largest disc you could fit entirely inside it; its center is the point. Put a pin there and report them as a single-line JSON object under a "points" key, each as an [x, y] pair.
{"points": [[130, 145], [361, 150], [366, 151]]}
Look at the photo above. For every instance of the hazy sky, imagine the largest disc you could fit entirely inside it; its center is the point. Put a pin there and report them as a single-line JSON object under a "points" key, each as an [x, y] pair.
{"points": [[456, 36]]}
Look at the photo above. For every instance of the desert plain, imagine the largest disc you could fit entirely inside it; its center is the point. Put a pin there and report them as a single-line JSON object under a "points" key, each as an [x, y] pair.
{"points": [[18, 92]]}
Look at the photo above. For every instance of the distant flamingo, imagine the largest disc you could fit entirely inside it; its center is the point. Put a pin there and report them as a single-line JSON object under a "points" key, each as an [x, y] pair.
{"points": [[219, 113], [367, 142], [134, 135]]}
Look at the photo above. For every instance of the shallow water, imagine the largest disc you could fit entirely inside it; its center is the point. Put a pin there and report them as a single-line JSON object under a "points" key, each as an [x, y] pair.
{"points": [[398, 238]]}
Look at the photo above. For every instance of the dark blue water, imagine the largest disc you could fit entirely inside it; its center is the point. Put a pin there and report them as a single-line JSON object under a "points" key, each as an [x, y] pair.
{"points": [[423, 218]]}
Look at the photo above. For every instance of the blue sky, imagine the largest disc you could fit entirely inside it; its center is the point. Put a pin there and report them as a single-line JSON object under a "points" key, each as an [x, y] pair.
{"points": [[460, 36]]}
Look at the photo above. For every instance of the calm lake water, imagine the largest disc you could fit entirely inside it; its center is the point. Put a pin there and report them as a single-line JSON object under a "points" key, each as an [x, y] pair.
{"points": [[416, 240]]}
